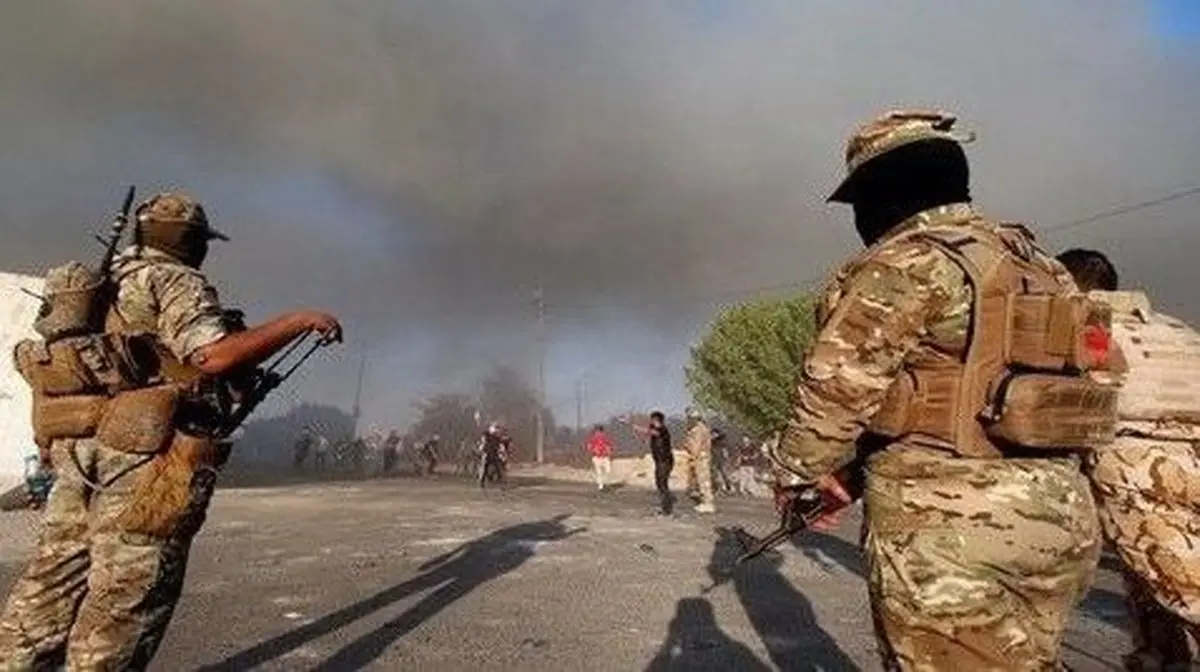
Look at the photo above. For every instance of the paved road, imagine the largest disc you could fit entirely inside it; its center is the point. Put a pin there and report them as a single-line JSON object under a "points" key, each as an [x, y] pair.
{"points": [[435, 575]]}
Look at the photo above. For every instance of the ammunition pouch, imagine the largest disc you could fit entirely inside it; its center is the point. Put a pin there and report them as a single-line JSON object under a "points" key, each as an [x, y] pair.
{"points": [[70, 417], [1051, 412], [172, 490], [1049, 332], [1041, 411], [74, 298], [92, 364], [140, 421]]}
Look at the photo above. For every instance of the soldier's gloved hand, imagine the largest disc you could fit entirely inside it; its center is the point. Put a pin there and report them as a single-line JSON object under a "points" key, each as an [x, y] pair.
{"points": [[837, 498], [834, 495], [326, 325]]}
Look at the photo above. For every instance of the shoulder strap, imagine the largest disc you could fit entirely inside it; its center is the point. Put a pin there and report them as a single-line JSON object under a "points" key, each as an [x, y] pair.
{"points": [[978, 251]]}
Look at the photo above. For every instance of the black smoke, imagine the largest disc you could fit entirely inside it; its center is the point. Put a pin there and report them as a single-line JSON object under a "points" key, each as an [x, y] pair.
{"points": [[419, 167]]}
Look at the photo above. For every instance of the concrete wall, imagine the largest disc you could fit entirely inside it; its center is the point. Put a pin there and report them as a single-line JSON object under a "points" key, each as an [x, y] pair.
{"points": [[17, 310]]}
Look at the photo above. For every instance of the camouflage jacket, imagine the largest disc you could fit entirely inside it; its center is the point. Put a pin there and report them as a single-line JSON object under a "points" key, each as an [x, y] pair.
{"points": [[900, 299], [1157, 451], [158, 294], [698, 438]]}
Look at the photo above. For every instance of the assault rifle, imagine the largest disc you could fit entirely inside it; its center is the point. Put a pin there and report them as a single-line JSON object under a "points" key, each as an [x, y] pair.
{"points": [[259, 383], [116, 232], [219, 406], [802, 511], [105, 291], [807, 507]]}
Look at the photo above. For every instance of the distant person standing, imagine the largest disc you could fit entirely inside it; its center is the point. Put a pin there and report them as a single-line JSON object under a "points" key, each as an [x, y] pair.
{"points": [[391, 451], [358, 454], [301, 448], [749, 456], [506, 451], [664, 459], [429, 454], [320, 452], [720, 460], [600, 448], [491, 449], [698, 445]]}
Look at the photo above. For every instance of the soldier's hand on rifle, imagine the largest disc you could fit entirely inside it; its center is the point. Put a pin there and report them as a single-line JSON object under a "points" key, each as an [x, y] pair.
{"points": [[326, 325], [834, 496]]}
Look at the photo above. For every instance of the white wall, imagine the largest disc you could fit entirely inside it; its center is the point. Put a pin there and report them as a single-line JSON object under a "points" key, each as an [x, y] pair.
{"points": [[17, 310]]}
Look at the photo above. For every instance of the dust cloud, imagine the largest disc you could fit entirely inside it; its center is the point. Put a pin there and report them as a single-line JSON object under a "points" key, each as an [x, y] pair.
{"points": [[420, 167]]}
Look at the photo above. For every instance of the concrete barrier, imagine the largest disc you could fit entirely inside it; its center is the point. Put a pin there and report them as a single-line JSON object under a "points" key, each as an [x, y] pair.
{"points": [[17, 311]]}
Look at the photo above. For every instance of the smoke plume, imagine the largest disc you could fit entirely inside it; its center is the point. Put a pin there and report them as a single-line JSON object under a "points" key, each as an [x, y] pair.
{"points": [[420, 167]]}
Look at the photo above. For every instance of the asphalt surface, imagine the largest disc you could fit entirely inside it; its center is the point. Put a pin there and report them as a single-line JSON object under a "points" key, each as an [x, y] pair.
{"points": [[436, 575]]}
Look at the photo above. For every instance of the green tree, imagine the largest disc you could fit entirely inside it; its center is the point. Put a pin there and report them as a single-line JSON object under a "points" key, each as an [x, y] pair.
{"points": [[745, 367]]}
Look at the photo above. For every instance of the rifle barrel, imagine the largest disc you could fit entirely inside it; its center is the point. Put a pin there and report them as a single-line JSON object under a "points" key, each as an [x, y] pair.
{"points": [[118, 230]]}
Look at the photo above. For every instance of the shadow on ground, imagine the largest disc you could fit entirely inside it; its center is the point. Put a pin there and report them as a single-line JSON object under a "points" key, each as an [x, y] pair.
{"points": [[458, 572], [781, 615], [695, 642], [823, 549]]}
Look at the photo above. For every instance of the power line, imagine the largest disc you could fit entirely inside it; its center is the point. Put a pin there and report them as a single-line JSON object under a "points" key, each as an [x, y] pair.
{"points": [[545, 307], [1107, 214], [808, 283]]}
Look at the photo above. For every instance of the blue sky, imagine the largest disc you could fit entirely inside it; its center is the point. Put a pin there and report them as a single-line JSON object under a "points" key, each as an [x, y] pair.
{"points": [[1177, 19]]}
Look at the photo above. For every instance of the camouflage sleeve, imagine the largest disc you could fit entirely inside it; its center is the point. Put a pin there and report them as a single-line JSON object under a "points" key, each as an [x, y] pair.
{"points": [[189, 316], [882, 314]]}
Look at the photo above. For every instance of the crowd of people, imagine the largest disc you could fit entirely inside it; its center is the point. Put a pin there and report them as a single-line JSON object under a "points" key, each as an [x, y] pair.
{"points": [[710, 465], [395, 454]]}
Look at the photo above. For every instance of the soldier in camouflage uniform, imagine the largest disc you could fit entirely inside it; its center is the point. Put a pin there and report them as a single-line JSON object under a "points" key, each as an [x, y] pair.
{"points": [[697, 446], [95, 595], [976, 555], [1147, 484]]}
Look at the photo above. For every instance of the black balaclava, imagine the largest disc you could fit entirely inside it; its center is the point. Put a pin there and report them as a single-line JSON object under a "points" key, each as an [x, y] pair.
{"points": [[905, 181], [186, 242]]}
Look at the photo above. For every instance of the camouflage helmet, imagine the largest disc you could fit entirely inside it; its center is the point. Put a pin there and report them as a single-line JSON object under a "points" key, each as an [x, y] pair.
{"points": [[173, 207], [68, 302], [890, 131]]}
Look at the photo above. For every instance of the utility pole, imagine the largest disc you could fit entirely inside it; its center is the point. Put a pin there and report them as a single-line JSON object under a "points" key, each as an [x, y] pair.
{"points": [[541, 355], [578, 405], [362, 372]]}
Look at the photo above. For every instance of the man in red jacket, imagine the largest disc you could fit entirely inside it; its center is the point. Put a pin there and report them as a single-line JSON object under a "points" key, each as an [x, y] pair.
{"points": [[599, 445]]}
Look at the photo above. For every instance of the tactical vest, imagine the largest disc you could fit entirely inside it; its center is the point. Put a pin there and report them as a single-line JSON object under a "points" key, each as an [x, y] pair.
{"points": [[1022, 383], [116, 382], [1159, 396]]}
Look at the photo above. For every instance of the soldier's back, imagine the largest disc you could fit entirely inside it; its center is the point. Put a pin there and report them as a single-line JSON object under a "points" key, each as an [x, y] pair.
{"points": [[1148, 481], [990, 548]]}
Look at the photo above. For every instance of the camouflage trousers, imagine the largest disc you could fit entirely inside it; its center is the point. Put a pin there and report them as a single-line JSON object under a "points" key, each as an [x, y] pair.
{"points": [[976, 564], [1148, 494], [697, 469], [94, 596]]}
